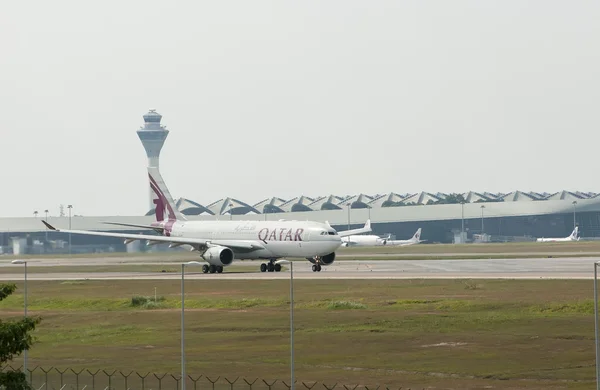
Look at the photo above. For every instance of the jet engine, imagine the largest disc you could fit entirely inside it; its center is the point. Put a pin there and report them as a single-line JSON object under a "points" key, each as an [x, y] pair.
{"points": [[325, 260], [218, 255]]}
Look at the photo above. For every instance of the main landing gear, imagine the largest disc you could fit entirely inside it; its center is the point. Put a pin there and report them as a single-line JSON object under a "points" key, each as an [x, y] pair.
{"points": [[316, 267], [212, 268], [270, 267]]}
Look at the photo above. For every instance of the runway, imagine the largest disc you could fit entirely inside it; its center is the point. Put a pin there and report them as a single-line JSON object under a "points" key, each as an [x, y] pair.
{"points": [[554, 268]]}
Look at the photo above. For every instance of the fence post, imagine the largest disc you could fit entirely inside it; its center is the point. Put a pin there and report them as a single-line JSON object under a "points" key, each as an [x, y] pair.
{"points": [[46, 375], [195, 381], [61, 376], [159, 380], [126, 378], [213, 383], [143, 379], [93, 378], [270, 385], [109, 378], [77, 377], [231, 383], [250, 384]]}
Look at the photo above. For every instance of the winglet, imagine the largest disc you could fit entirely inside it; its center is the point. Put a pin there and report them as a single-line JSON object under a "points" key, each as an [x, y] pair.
{"points": [[48, 225]]}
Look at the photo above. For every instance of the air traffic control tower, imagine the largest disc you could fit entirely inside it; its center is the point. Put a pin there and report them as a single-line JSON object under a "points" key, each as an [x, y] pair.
{"points": [[153, 137]]}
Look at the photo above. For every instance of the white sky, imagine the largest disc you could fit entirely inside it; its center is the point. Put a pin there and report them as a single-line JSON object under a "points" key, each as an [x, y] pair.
{"points": [[282, 98]]}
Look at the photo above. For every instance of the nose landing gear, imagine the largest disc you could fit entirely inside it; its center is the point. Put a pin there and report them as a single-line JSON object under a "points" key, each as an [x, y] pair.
{"points": [[316, 267]]}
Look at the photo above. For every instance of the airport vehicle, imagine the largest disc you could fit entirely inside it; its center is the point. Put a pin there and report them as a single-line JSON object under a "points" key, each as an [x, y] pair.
{"points": [[573, 237], [220, 242], [373, 240]]}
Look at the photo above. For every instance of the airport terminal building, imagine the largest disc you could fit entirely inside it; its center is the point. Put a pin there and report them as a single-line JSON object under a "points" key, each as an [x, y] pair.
{"points": [[444, 218]]}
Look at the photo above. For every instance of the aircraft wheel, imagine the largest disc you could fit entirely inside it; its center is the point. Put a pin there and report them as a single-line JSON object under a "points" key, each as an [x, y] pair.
{"points": [[212, 269], [314, 268], [263, 267], [205, 268], [219, 269], [318, 267], [271, 267], [277, 267]]}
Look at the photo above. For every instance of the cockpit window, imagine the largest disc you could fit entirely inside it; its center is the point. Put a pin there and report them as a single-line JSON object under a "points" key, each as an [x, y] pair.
{"points": [[333, 233]]}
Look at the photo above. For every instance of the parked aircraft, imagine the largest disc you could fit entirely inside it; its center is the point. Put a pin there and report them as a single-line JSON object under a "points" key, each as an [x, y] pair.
{"points": [[220, 242], [415, 239], [374, 240], [573, 237]]}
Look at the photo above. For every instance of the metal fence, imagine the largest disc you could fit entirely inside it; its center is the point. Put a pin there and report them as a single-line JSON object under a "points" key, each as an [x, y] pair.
{"points": [[53, 378]]}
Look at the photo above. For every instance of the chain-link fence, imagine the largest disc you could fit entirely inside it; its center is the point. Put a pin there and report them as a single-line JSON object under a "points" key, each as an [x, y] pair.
{"points": [[52, 378]]}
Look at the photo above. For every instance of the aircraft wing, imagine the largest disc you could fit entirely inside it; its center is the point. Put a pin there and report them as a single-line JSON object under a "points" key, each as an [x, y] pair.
{"points": [[196, 242], [157, 228], [365, 229]]}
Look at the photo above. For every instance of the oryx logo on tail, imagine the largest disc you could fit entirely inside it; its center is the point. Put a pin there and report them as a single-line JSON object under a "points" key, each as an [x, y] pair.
{"points": [[417, 236], [164, 206]]}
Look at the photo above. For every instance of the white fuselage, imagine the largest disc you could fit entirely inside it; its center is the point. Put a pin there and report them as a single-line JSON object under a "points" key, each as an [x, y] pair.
{"points": [[302, 239], [363, 240], [556, 239], [401, 242]]}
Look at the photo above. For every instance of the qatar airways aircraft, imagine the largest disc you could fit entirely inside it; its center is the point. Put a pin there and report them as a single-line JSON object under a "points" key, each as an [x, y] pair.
{"points": [[572, 237], [220, 242], [373, 240]]}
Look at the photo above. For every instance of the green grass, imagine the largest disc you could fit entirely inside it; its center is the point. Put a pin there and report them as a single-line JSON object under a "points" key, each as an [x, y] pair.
{"points": [[444, 333]]}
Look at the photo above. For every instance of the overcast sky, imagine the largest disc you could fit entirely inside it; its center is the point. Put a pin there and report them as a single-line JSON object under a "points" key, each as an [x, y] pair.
{"points": [[282, 98]]}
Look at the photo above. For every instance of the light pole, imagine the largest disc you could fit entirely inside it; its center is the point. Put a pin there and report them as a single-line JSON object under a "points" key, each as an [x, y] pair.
{"points": [[292, 386], [182, 321], [25, 309], [574, 205], [482, 207], [462, 222], [46, 211], [596, 325], [70, 207], [349, 206]]}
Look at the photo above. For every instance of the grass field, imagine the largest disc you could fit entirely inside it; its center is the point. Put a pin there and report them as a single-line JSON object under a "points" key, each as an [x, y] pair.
{"points": [[449, 334]]}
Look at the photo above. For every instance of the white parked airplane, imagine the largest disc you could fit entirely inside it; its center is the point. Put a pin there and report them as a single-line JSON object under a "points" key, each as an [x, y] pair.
{"points": [[415, 239], [220, 242], [373, 240], [573, 237]]}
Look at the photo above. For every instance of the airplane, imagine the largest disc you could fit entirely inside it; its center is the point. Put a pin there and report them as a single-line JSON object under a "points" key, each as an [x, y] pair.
{"points": [[220, 242], [373, 240], [572, 237], [415, 239]]}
